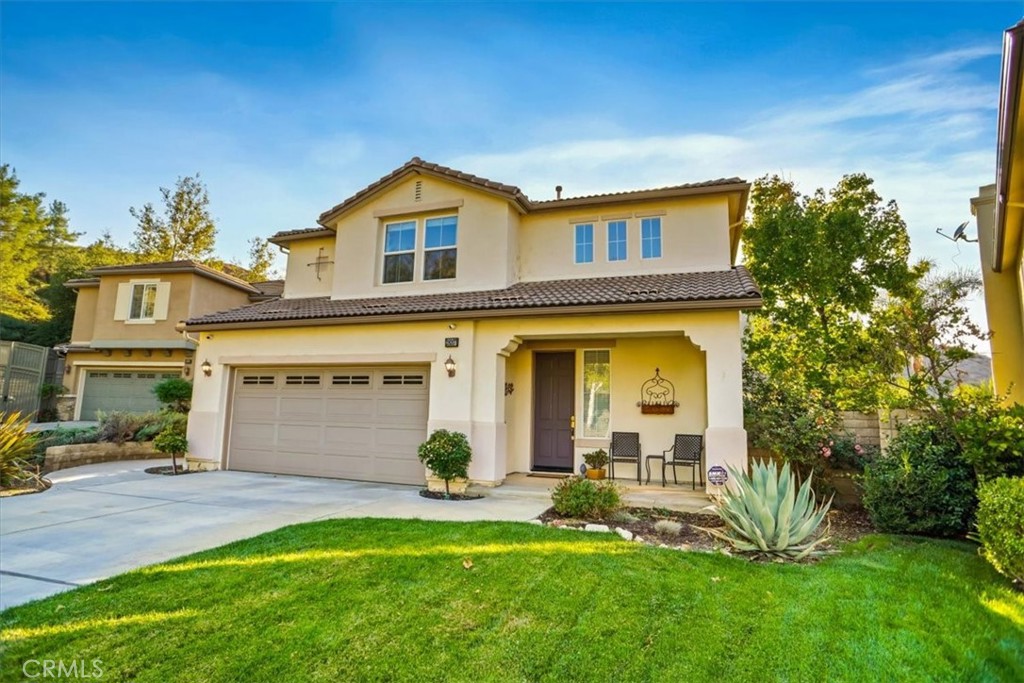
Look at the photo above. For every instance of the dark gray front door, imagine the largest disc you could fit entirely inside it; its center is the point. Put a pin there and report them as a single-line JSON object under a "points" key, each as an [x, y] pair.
{"points": [[554, 385]]}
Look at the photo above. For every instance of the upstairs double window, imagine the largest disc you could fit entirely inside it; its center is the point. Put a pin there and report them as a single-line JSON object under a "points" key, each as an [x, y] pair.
{"points": [[143, 305], [402, 251], [617, 236]]}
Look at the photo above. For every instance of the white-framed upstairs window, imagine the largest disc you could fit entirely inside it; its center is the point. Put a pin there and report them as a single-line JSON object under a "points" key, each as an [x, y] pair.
{"points": [[440, 254], [617, 241], [143, 302], [596, 393], [584, 243], [399, 252], [650, 237]]}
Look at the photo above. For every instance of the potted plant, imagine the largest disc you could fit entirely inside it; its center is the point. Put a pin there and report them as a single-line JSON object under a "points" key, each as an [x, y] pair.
{"points": [[596, 462], [447, 455]]}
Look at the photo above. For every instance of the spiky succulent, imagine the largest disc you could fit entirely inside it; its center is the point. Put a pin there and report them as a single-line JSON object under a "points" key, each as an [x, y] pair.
{"points": [[766, 514]]}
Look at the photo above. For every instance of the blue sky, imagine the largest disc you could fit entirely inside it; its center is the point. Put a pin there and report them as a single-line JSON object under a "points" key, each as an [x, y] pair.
{"points": [[286, 109]]}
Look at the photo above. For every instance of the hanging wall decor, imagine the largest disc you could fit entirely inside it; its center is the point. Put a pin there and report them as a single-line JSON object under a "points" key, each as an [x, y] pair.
{"points": [[658, 396]]}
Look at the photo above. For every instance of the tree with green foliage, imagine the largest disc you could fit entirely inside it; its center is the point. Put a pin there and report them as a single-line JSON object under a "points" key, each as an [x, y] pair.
{"points": [[821, 261], [261, 260], [175, 393], [186, 230], [447, 455]]}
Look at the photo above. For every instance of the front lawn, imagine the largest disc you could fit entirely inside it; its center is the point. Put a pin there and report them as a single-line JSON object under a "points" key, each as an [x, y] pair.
{"points": [[375, 599]]}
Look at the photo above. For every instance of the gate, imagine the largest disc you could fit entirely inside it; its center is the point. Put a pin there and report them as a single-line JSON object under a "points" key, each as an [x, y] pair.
{"points": [[22, 367]]}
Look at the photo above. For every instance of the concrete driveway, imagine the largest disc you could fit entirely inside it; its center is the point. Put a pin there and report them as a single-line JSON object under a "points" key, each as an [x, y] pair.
{"points": [[102, 520]]}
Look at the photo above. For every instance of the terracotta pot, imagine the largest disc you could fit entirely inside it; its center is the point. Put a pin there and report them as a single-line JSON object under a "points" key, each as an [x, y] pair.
{"points": [[595, 474]]}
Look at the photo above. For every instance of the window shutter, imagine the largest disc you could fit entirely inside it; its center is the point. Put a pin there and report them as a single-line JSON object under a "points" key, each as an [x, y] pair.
{"points": [[163, 298], [123, 301]]}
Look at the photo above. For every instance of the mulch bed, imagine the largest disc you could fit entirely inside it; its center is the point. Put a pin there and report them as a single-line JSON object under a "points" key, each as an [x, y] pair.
{"points": [[169, 470], [845, 525], [440, 495]]}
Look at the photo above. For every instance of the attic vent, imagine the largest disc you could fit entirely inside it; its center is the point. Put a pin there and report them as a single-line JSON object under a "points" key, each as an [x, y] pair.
{"points": [[419, 190], [505, 299], [643, 292]]}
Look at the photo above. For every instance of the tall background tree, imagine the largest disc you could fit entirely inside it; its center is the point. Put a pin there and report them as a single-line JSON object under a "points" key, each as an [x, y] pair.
{"points": [[184, 231], [261, 260], [821, 261]]}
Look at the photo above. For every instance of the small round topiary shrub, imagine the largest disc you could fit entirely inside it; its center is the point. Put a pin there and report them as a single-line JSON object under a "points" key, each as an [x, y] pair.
{"points": [[922, 485], [447, 455], [1001, 525], [586, 498]]}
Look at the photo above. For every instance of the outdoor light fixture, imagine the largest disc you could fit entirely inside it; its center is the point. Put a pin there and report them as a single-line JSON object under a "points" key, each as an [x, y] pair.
{"points": [[207, 368], [449, 365]]}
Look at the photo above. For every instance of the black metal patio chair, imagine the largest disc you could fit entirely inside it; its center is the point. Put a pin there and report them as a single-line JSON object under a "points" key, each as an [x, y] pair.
{"points": [[686, 451], [625, 447]]}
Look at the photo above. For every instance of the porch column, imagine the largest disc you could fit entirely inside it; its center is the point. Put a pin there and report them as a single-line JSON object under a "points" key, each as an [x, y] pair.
{"points": [[488, 437], [725, 438]]}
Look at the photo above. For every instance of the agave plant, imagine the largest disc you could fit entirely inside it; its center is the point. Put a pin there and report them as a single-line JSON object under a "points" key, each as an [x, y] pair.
{"points": [[766, 514], [16, 447]]}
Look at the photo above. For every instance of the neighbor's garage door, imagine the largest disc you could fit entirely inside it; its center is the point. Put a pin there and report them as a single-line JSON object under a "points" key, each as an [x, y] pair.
{"points": [[110, 390], [349, 423]]}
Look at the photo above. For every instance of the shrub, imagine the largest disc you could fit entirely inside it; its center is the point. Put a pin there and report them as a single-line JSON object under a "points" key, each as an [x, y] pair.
{"points": [[993, 438], [175, 393], [922, 485], [119, 427], [766, 513], [668, 527], [586, 498], [16, 448], [447, 455], [844, 453], [1001, 525], [596, 459]]}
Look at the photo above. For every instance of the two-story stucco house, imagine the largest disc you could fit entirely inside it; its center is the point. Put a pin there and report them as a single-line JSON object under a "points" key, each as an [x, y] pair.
{"points": [[123, 340], [437, 299]]}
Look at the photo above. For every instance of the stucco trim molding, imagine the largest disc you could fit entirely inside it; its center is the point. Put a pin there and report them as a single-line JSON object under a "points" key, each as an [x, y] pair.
{"points": [[422, 207]]}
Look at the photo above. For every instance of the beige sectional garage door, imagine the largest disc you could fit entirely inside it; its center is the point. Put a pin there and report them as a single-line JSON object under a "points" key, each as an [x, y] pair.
{"points": [[349, 423]]}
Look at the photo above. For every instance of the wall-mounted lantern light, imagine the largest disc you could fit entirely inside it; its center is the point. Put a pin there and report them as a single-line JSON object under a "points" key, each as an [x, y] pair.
{"points": [[207, 368], [449, 365]]}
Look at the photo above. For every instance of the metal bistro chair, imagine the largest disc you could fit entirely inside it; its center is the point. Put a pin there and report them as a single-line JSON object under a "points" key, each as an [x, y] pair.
{"points": [[686, 451], [625, 447]]}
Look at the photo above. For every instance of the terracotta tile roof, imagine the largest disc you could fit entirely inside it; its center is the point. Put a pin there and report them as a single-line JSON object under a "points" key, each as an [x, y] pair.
{"points": [[173, 267], [285, 236], [417, 164], [625, 194], [729, 288]]}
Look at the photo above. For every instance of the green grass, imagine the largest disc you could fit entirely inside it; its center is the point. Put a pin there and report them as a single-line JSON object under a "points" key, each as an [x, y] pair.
{"points": [[391, 600]]}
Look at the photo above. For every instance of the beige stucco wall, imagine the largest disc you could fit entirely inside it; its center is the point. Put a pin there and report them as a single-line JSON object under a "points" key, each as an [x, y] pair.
{"points": [[474, 402], [1004, 303], [85, 314], [210, 296], [694, 236], [105, 327], [301, 280], [483, 239]]}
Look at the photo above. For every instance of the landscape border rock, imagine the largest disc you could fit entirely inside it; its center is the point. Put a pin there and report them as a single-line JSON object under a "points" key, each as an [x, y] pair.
{"points": [[74, 455]]}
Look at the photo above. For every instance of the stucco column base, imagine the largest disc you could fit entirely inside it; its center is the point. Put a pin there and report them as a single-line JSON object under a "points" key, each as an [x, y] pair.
{"points": [[727, 447]]}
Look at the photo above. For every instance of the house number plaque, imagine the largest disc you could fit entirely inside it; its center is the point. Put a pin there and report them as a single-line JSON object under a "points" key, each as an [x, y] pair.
{"points": [[451, 342]]}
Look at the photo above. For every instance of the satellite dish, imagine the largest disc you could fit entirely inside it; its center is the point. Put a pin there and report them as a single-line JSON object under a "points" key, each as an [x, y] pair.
{"points": [[959, 234]]}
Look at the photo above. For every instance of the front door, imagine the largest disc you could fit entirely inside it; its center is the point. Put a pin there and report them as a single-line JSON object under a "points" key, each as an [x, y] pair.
{"points": [[554, 385]]}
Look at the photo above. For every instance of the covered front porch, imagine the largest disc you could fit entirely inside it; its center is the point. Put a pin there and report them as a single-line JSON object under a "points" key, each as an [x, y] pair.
{"points": [[672, 497]]}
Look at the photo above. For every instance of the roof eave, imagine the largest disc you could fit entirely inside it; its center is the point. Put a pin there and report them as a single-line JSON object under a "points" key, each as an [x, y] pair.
{"points": [[1009, 119], [641, 196], [206, 272], [285, 240], [746, 303]]}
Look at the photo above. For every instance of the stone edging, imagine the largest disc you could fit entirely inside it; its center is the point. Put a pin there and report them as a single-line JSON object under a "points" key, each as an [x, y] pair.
{"points": [[74, 455]]}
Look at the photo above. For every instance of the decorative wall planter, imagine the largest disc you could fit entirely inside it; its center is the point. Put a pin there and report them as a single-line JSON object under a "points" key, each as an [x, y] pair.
{"points": [[657, 396]]}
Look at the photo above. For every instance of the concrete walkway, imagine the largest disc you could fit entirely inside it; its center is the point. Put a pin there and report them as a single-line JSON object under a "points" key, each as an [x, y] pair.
{"points": [[102, 520]]}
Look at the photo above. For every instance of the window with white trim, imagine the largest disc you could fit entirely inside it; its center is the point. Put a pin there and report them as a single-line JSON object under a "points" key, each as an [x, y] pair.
{"points": [[596, 393], [617, 241], [585, 243], [399, 251], [143, 304], [650, 237], [439, 252]]}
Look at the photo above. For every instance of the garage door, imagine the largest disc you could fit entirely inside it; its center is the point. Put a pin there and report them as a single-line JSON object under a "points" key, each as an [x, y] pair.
{"points": [[349, 423], [130, 391]]}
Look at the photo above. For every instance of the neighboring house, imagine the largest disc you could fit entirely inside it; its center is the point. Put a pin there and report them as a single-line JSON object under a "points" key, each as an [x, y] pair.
{"points": [[1000, 212], [124, 340], [437, 299]]}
